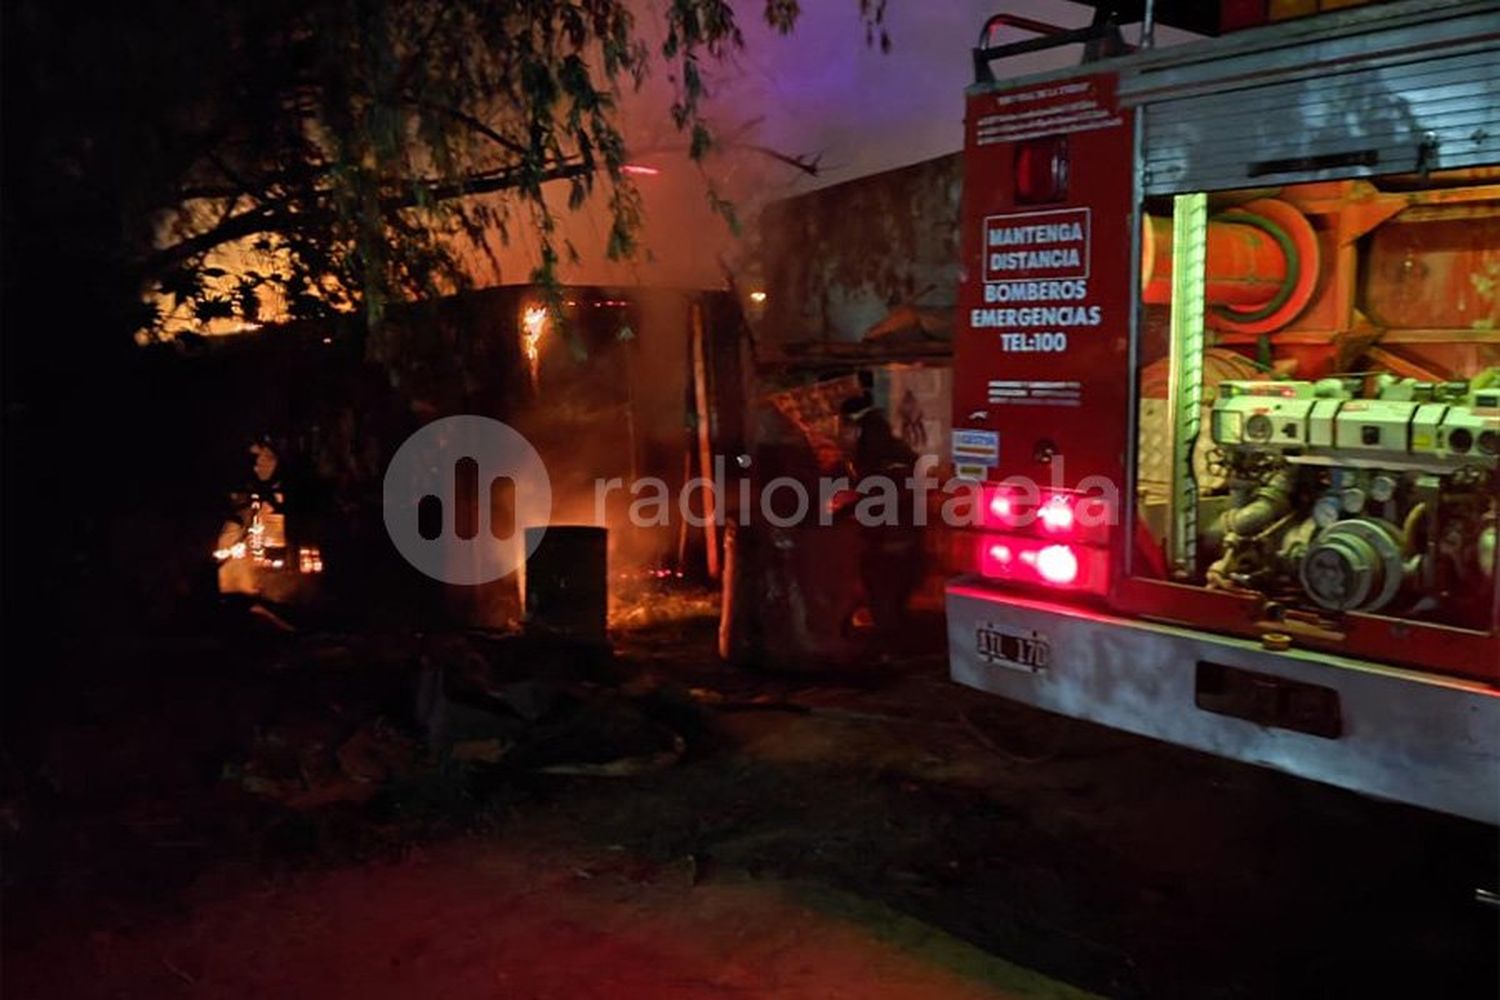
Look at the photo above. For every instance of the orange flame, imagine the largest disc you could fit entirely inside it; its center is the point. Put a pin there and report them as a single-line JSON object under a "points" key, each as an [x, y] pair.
{"points": [[533, 325]]}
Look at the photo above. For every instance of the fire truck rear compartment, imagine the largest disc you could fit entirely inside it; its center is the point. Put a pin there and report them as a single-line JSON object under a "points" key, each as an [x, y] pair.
{"points": [[1402, 735], [1280, 339], [1349, 432]]}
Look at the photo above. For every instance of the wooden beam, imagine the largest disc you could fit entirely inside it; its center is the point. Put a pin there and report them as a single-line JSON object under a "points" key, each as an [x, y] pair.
{"points": [[1403, 367]]}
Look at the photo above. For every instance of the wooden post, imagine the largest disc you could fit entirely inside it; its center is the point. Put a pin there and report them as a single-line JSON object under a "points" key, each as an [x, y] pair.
{"points": [[705, 442]]}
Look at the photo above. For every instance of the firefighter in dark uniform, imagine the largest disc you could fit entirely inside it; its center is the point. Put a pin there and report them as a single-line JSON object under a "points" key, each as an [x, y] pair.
{"points": [[890, 560]]}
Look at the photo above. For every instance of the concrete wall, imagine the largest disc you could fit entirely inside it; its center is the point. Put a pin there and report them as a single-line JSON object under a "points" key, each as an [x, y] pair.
{"points": [[838, 260]]}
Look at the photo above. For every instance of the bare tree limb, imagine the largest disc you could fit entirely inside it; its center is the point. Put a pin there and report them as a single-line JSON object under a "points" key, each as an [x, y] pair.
{"points": [[809, 165]]}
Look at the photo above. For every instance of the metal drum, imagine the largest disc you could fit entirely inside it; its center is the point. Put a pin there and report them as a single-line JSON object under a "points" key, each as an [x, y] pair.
{"points": [[567, 581]]}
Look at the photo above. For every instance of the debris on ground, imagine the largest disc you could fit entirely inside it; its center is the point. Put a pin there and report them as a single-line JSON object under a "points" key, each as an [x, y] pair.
{"points": [[526, 704]]}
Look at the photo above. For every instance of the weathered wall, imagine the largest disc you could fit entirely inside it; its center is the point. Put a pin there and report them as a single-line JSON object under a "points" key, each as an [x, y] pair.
{"points": [[839, 259]]}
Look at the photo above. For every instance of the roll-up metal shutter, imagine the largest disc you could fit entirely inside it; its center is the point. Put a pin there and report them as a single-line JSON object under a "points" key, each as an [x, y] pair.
{"points": [[1393, 94]]}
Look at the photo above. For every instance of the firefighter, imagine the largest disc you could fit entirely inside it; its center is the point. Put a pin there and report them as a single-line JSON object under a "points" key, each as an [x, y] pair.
{"points": [[252, 540], [890, 560]]}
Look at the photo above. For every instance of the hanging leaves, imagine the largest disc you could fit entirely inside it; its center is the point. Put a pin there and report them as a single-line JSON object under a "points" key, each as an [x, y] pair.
{"points": [[342, 146]]}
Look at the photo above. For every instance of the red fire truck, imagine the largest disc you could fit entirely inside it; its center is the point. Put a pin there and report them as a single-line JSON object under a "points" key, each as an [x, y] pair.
{"points": [[1228, 373]]}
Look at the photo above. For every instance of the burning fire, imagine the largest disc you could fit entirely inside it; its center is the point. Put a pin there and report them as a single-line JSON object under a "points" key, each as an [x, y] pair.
{"points": [[309, 559], [235, 551], [533, 325], [263, 543]]}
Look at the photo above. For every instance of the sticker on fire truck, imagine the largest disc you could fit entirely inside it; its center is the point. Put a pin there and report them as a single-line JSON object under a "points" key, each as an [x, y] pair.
{"points": [[1037, 246], [1036, 279], [1051, 392], [976, 448], [1027, 651], [975, 473], [1066, 107]]}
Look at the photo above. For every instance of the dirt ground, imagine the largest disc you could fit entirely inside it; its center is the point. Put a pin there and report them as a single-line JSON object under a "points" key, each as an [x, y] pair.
{"points": [[479, 919], [880, 834]]}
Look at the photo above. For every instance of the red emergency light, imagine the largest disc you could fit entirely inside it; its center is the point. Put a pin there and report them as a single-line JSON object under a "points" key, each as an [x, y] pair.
{"points": [[1056, 514], [1026, 560], [1041, 170]]}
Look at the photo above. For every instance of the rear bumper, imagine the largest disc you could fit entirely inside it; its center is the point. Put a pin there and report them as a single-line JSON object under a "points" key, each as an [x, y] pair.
{"points": [[1409, 737]]}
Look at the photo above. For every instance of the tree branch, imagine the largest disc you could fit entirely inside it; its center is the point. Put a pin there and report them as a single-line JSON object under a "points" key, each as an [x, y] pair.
{"points": [[473, 123], [804, 164], [281, 217]]}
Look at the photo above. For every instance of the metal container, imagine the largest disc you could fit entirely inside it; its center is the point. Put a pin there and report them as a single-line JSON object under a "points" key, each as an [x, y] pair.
{"points": [[567, 581]]}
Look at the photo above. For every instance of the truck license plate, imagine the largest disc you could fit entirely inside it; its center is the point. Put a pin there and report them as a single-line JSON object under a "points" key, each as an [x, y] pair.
{"points": [[1028, 651]]}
